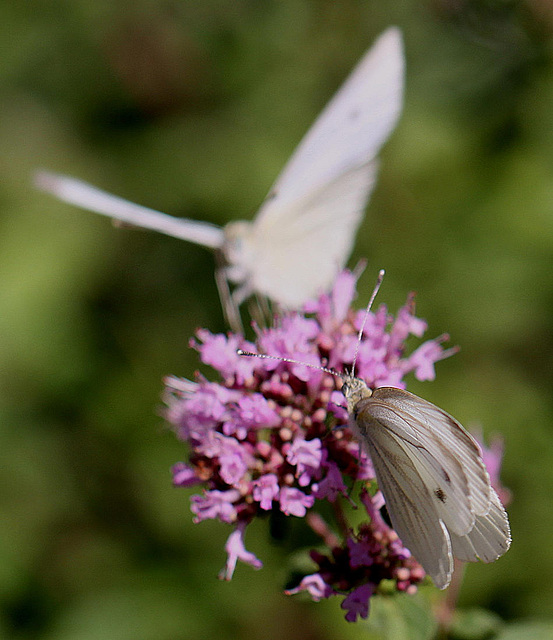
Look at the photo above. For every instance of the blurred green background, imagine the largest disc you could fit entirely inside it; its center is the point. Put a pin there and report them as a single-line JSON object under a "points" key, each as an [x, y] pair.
{"points": [[192, 108]]}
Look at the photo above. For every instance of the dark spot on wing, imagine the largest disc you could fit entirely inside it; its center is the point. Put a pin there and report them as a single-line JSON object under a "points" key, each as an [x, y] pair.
{"points": [[354, 115], [386, 516], [446, 476], [439, 493]]}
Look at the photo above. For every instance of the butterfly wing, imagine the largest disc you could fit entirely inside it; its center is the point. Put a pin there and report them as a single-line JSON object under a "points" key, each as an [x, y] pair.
{"points": [[81, 194], [304, 231], [350, 130], [444, 460], [296, 257], [490, 537], [441, 434], [410, 507]]}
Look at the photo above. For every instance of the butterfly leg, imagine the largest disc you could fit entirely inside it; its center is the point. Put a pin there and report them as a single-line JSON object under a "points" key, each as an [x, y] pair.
{"points": [[230, 308], [260, 311], [266, 310]]}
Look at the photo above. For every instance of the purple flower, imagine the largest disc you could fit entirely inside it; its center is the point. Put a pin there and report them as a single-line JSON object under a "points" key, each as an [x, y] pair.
{"points": [[234, 462], [184, 476], [493, 459], [274, 435], [294, 339], [306, 455], [294, 502], [366, 469], [251, 412], [423, 359], [406, 324], [315, 585], [215, 504], [360, 553], [332, 485], [200, 410], [236, 550], [220, 352], [357, 602], [265, 490], [332, 308], [338, 407]]}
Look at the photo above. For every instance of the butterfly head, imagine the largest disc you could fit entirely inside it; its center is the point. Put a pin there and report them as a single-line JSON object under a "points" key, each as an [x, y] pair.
{"points": [[354, 390], [237, 241]]}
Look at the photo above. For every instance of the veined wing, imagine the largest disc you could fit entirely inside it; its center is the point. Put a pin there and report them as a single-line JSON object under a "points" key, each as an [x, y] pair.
{"points": [[447, 461], [411, 508], [490, 537], [297, 254], [350, 130], [427, 424]]}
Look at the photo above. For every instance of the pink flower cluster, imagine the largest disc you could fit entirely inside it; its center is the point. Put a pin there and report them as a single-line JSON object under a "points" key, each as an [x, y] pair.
{"points": [[273, 436]]}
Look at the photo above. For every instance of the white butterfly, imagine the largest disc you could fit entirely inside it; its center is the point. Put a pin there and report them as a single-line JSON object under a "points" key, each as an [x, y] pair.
{"points": [[431, 473], [304, 231]]}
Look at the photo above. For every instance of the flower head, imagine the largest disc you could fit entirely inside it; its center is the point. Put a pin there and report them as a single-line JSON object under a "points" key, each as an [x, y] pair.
{"points": [[273, 436]]}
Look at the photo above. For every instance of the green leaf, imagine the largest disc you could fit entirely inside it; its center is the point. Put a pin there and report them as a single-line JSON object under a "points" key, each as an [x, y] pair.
{"points": [[401, 617], [527, 630], [475, 624]]}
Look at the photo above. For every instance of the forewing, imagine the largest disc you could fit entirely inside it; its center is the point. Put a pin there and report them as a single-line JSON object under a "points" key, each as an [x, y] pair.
{"points": [[297, 254], [304, 232], [439, 469], [411, 508], [441, 434], [352, 127], [81, 194]]}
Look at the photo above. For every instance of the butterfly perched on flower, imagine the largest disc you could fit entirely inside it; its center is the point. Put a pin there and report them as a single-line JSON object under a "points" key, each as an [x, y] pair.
{"points": [[430, 470]]}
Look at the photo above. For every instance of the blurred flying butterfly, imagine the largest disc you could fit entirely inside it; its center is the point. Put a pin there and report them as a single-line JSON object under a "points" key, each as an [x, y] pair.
{"points": [[303, 232], [430, 471]]}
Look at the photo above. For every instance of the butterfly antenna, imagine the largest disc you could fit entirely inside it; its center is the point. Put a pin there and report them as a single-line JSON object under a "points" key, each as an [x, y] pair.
{"points": [[360, 335], [265, 356], [249, 354]]}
